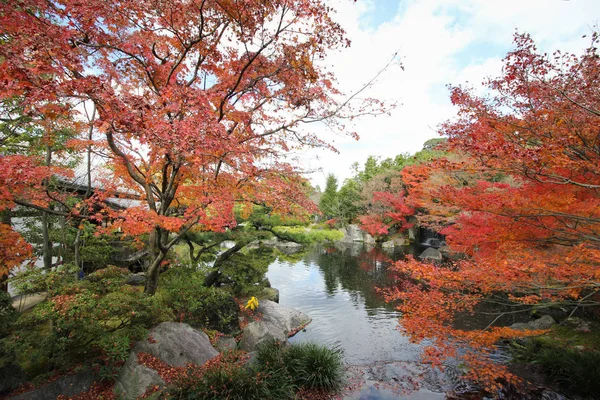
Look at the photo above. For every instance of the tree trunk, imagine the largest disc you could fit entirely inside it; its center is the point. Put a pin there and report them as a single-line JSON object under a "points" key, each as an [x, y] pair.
{"points": [[77, 247], [213, 277], [5, 218], [47, 244], [88, 191], [156, 257]]}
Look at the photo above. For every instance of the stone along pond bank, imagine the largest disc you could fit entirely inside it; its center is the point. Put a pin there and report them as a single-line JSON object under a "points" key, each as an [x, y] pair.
{"points": [[173, 344]]}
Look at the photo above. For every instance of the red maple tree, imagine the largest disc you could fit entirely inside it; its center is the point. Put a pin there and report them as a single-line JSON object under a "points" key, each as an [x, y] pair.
{"points": [[527, 216], [197, 100]]}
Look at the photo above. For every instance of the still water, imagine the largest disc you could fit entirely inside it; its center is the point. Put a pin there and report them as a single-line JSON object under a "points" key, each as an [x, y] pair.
{"points": [[337, 287]]}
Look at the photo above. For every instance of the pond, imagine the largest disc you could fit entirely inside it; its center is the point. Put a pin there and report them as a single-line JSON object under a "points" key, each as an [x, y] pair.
{"points": [[336, 286]]}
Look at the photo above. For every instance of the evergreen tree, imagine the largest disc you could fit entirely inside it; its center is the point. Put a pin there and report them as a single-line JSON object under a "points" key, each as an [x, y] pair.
{"points": [[329, 204]]}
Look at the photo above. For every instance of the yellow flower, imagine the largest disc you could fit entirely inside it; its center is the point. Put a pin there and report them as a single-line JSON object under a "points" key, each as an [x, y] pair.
{"points": [[252, 304]]}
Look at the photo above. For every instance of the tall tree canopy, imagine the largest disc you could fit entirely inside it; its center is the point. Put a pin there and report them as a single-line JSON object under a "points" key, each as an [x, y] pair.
{"points": [[527, 217], [197, 101]]}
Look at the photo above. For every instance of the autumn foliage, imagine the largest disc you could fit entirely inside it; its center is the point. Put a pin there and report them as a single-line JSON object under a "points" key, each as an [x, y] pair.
{"points": [[521, 201], [197, 103]]}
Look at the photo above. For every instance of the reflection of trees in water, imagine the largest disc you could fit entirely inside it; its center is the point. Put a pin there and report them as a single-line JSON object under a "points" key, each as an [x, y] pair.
{"points": [[357, 268]]}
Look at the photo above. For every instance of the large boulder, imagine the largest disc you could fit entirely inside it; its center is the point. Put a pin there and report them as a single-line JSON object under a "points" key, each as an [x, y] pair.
{"points": [[544, 322], [353, 233], [11, 377], [368, 239], [431, 254], [270, 242], [413, 231], [450, 254], [136, 279], [288, 247], [67, 386], [388, 245], [174, 343], [225, 343], [401, 241], [277, 323], [270, 293]]}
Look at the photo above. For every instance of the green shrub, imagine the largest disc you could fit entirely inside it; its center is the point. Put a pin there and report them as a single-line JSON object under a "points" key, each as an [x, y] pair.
{"points": [[245, 271], [95, 318], [183, 291], [573, 370], [8, 316], [576, 371]]}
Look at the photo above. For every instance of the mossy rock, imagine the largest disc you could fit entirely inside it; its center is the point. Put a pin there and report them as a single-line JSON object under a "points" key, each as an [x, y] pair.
{"points": [[270, 293]]}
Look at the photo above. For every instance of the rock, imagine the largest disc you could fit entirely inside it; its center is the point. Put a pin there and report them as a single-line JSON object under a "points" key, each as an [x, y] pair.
{"points": [[544, 322], [368, 239], [270, 293], [225, 344], [277, 323], [388, 245], [24, 302], [174, 343], [399, 242], [578, 324], [67, 386], [135, 380], [451, 254], [255, 244], [413, 231], [266, 282], [252, 359], [395, 380], [11, 377], [258, 332], [550, 395], [270, 243], [289, 245], [353, 233], [431, 254], [136, 279]]}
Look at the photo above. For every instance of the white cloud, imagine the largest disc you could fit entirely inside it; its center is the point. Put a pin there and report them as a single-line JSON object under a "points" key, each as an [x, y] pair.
{"points": [[440, 42]]}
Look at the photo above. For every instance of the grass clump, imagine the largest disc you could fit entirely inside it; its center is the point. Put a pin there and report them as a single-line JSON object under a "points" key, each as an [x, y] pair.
{"points": [[228, 377], [315, 367], [309, 366], [277, 372]]}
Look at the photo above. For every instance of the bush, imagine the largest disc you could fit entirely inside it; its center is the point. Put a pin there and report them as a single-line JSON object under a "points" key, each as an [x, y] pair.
{"points": [[245, 271], [8, 316], [573, 370], [183, 291], [95, 318]]}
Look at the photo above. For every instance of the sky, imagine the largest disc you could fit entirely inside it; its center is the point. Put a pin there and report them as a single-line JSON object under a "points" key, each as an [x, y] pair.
{"points": [[439, 42]]}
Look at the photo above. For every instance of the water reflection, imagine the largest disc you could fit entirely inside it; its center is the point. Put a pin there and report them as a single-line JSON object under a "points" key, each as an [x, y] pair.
{"points": [[336, 286]]}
